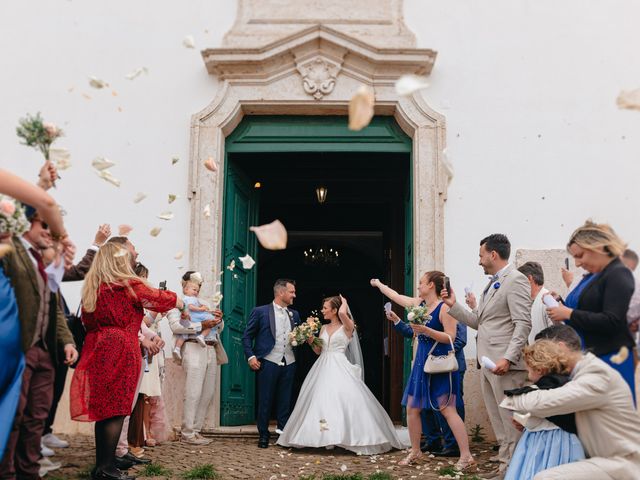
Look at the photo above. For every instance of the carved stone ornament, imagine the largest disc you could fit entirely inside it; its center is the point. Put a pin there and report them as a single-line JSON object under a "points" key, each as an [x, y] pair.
{"points": [[318, 77]]}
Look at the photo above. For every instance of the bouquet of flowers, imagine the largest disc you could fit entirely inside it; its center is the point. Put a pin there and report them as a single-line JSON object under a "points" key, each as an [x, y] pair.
{"points": [[13, 221], [38, 134], [305, 331], [418, 315]]}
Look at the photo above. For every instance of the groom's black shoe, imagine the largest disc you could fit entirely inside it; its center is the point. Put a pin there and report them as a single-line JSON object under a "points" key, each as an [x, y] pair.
{"points": [[447, 452], [263, 442]]}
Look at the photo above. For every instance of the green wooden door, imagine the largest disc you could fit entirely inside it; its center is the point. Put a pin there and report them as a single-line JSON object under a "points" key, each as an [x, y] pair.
{"points": [[280, 134], [237, 386]]}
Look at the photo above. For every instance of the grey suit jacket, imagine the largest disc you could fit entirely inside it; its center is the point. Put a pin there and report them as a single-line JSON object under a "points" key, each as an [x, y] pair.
{"points": [[608, 423], [503, 319]]}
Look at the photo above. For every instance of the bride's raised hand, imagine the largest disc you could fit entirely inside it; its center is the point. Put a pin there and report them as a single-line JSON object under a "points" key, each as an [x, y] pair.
{"points": [[344, 306], [391, 316]]}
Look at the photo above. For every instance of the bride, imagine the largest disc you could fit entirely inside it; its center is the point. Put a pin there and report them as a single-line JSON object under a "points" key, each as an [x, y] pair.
{"points": [[335, 407]]}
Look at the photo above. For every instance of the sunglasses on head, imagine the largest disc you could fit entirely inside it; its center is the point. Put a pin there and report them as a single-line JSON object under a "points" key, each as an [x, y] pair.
{"points": [[45, 225]]}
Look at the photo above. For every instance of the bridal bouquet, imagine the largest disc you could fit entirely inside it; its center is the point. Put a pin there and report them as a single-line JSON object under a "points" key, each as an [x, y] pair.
{"points": [[305, 331], [38, 134], [12, 218], [418, 315]]}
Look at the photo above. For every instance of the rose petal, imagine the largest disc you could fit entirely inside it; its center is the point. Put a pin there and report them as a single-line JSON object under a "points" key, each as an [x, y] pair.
{"points": [[272, 236], [175, 159], [408, 84], [361, 108], [106, 175], [629, 99], [139, 197], [207, 210], [343, 467], [172, 198], [210, 164], [97, 83], [621, 356], [61, 157], [165, 216], [247, 262], [189, 42], [136, 73], [232, 265], [102, 163], [124, 230], [155, 231], [178, 255]]}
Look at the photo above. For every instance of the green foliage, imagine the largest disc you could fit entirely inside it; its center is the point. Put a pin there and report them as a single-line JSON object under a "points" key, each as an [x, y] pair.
{"points": [[154, 470], [38, 134], [451, 472], [477, 435], [380, 476], [86, 473], [202, 472]]}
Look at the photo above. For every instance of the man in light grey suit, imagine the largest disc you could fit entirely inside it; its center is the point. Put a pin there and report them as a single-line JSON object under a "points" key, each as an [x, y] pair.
{"points": [[502, 318]]}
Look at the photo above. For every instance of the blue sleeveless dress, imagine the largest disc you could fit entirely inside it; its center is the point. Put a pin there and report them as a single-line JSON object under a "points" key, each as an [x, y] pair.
{"points": [[435, 390], [11, 359]]}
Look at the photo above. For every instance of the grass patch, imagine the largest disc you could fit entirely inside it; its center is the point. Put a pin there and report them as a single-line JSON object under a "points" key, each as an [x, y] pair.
{"points": [[86, 473], [451, 472], [154, 470], [200, 472], [380, 476]]}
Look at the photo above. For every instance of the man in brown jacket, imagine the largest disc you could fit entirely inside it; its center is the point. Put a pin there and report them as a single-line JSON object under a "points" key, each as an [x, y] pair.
{"points": [[43, 329]]}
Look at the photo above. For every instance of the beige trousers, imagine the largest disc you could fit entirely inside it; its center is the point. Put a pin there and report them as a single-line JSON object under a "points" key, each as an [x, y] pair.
{"points": [[201, 368], [596, 468], [493, 387]]}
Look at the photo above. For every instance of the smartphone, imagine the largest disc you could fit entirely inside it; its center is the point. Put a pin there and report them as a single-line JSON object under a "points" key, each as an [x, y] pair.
{"points": [[163, 285], [447, 284], [566, 263]]}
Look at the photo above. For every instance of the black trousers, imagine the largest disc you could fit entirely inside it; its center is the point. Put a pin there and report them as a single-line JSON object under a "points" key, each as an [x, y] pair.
{"points": [[58, 390]]}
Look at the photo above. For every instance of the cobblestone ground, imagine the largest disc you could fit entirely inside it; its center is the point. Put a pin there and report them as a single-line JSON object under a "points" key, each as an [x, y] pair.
{"points": [[240, 458]]}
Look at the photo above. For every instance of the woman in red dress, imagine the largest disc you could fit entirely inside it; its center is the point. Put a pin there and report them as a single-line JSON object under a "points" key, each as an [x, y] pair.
{"points": [[105, 380]]}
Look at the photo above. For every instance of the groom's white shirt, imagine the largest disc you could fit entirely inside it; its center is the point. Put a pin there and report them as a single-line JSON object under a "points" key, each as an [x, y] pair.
{"points": [[281, 348]]}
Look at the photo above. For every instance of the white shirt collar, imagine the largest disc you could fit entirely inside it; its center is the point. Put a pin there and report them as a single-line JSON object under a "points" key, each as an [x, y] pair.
{"points": [[500, 272], [278, 307]]}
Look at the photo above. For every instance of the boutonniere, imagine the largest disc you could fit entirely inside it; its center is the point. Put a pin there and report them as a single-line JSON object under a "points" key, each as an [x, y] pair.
{"points": [[496, 285], [289, 313]]}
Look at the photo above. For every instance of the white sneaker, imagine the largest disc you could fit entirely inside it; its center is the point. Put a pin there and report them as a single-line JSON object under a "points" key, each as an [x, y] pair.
{"points": [[200, 340], [194, 440], [177, 356], [51, 441], [46, 451], [47, 466]]}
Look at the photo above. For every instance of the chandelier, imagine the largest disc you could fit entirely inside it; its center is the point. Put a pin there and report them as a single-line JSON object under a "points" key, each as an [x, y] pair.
{"points": [[322, 256]]}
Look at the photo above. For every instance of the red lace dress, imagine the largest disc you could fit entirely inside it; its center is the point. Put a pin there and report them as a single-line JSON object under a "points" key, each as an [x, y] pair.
{"points": [[107, 374]]}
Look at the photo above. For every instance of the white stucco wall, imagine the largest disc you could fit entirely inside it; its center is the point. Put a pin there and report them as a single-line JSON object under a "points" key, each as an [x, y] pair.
{"points": [[528, 90]]}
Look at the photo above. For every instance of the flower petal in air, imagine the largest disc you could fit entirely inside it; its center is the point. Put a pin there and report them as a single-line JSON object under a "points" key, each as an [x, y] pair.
{"points": [[408, 84], [272, 236], [247, 262], [361, 108], [101, 163]]}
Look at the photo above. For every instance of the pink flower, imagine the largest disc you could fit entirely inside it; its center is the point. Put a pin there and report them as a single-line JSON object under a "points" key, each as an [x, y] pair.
{"points": [[7, 207], [51, 129]]}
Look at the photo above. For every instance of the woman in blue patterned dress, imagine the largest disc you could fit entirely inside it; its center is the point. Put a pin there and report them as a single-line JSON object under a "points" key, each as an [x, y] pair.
{"points": [[437, 391]]}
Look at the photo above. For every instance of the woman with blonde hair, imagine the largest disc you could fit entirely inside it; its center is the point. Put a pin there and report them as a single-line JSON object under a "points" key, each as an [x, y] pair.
{"points": [[105, 380], [597, 307]]}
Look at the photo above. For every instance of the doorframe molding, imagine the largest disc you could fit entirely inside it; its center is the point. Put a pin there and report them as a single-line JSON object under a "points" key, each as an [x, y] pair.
{"points": [[270, 81]]}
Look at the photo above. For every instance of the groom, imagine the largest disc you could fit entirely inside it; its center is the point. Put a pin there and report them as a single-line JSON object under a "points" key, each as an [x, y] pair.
{"points": [[271, 356]]}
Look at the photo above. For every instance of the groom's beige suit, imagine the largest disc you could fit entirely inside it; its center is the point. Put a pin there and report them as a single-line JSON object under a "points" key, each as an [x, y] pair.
{"points": [[503, 321]]}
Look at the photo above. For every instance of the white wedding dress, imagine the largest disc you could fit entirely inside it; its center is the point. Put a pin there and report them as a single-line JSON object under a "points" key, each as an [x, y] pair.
{"points": [[335, 407]]}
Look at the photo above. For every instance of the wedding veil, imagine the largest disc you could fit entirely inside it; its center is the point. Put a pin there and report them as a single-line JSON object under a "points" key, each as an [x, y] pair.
{"points": [[354, 352]]}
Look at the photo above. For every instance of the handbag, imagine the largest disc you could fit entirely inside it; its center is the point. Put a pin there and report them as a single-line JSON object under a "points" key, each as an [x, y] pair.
{"points": [[441, 363]]}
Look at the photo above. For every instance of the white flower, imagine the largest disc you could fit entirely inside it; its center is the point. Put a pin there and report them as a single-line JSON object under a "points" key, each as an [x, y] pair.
{"points": [[411, 316], [294, 343]]}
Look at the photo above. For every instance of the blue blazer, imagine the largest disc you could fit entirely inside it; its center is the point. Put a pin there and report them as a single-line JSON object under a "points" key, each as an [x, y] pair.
{"points": [[261, 328], [458, 344]]}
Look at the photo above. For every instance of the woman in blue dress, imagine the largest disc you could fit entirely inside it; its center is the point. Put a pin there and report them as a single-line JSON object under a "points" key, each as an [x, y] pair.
{"points": [[437, 391], [597, 307]]}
